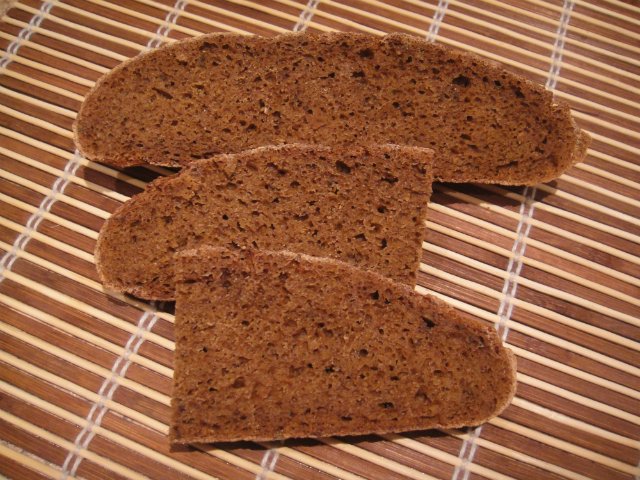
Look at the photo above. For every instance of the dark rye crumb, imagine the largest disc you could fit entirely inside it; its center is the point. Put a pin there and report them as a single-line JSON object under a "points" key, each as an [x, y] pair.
{"points": [[273, 345], [363, 205], [224, 93]]}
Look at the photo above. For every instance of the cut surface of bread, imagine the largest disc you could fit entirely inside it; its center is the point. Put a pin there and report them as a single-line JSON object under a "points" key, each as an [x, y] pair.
{"points": [[274, 345], [224, 93], [366, 206]]}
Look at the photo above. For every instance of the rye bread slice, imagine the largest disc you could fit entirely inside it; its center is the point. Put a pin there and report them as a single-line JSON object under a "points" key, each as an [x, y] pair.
{"points": [[273, 345], [363, 205], [224, 93]]}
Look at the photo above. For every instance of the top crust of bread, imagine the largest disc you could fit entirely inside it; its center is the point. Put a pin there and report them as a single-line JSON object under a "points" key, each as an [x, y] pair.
{"points": [[224, 93]]}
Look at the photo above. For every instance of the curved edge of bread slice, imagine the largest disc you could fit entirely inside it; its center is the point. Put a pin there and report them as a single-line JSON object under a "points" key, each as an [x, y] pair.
{"points": [[275, 345]]}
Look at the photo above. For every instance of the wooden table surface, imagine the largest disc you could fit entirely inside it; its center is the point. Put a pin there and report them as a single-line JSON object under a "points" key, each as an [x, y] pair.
{"points": [[85, 374]]}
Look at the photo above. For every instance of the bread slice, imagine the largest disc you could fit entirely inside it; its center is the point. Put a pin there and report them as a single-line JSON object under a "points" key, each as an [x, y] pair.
{"points": [[366, 206], [224, 93], [273, 345]]}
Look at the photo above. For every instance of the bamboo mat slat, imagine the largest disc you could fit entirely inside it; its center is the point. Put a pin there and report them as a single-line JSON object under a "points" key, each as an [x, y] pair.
{"points": [[85, 374]]}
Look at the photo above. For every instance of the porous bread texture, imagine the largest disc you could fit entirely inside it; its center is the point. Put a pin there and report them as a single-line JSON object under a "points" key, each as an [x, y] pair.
{"points": [[224, 93], [363, 205], [274, 345]]}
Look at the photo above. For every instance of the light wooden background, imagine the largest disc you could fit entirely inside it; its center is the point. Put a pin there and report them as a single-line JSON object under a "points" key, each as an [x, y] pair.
{"points": [[85, 375]]}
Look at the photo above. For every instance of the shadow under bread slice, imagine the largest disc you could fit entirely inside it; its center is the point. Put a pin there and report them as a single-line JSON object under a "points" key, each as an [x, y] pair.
{"points": [[274, 345], [363, 205]]}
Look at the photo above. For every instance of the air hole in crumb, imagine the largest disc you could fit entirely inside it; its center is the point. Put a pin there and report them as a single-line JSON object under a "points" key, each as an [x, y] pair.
{"points": [[389, 179], [375, 295], [461, 80], [420, 395], [238, 383], [386, 405], [343, 167], [363, 352], [428, 322], [383, 243], [162, 93]]}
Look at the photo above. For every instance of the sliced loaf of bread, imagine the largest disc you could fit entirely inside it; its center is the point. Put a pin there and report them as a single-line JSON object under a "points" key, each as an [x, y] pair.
{"points": [[273, 345], [224, 93], [366, 206]]}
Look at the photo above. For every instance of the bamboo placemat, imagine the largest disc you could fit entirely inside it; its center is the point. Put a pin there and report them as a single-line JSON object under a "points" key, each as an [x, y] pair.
{"points": [[85, 375]]}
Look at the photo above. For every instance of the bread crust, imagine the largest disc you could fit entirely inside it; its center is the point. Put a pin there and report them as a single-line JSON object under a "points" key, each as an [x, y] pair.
{"points": [[529, 138]]}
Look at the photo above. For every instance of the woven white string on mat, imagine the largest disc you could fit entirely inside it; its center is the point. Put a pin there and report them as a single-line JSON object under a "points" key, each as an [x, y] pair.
{"points": [[146, 322], [60, 184]]}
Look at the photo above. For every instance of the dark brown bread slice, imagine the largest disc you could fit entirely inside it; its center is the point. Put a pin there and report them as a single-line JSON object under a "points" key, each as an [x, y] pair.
{"points": [[224, 93], [272, 345], [363, 205]]}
